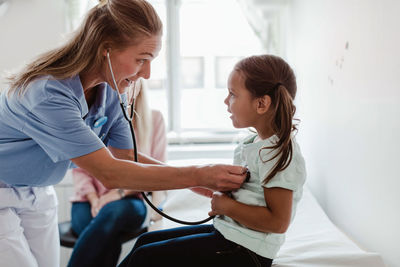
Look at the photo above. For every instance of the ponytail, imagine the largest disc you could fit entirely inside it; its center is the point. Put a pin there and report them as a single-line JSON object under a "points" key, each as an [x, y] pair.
{"points": [[283, 113], [271, 75]]}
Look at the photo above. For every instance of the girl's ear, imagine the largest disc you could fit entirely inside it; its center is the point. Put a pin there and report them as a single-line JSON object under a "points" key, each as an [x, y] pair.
{"points": [[263, 104]]}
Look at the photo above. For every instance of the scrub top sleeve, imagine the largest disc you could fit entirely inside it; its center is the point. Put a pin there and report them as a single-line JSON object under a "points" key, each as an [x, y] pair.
{"points": [[120, 134], [56, 125]]}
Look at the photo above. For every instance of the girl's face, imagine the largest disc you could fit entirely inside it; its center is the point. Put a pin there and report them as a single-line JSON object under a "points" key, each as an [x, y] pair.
{"points": [[132, 62], [241, 104]]}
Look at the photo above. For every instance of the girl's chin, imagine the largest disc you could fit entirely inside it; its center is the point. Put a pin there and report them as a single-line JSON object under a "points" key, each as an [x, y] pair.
{"points": [[234, 123], [237, 124]]}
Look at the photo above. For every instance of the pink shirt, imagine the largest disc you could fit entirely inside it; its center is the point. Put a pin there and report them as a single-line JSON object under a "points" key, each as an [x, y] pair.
{"points": [[84, 183]]}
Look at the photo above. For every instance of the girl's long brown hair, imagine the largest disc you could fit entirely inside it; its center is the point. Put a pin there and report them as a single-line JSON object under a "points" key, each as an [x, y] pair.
{"points": [[112, 23], [271, 75]]}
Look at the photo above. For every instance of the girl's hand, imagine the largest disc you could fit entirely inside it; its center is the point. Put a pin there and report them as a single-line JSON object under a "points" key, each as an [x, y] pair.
{"points": [[220, 204]]}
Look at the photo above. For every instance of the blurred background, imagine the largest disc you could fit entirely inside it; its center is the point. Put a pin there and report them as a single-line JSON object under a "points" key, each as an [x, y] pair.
{"points": [[346, 58]]}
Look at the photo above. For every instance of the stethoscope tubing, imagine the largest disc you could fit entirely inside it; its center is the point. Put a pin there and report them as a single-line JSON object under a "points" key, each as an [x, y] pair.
{"points": [[143, 194], [129, 120]]}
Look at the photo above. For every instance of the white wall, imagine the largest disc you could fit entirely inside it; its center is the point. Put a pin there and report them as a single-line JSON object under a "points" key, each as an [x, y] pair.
{"points": [[28, 28], [347, 60]]}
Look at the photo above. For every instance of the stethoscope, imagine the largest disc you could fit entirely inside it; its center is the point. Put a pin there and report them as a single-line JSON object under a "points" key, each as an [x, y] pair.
{"points": [[129, 119]]}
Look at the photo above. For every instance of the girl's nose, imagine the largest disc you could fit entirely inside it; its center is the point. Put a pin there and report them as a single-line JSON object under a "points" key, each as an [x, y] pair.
{"points": [[226, 100]]}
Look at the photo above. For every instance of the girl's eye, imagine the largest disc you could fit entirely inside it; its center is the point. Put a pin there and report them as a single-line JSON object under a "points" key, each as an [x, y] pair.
{"points": [[141, 61]]}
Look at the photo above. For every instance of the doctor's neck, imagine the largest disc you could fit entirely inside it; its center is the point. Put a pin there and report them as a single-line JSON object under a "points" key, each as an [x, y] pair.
{"points": [[89, 83], [89, 80]]}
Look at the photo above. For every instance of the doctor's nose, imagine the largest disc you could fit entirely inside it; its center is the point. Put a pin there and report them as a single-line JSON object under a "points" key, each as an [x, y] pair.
{"points": [[145, 71]]}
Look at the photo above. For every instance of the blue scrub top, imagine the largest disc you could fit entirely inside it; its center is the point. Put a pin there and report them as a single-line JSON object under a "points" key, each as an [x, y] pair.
{"points": [[42, 130]]}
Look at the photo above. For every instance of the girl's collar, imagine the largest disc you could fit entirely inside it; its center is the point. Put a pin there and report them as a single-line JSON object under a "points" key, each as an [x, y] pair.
{"points": [[255, 139]]}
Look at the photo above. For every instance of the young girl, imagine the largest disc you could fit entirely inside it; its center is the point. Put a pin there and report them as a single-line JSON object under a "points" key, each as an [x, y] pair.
{"points": [[250, 223]]}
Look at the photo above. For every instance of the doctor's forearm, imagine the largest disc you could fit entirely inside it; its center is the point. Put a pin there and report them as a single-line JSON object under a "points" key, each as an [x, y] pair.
{"points": [[142, 158], [145, 177], [129, 154], [116, 173]]}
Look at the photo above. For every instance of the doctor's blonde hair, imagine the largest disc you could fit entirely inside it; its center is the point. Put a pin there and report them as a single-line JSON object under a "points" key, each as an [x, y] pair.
{"points": [[111, 24]]}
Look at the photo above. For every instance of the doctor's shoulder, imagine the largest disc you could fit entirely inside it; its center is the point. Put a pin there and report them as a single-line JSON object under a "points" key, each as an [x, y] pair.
{"points": [[49, 86], [46, 90]]}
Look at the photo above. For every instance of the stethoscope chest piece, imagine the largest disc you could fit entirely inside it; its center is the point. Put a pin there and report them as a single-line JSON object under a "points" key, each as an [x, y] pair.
{"points": [[100, 122]]}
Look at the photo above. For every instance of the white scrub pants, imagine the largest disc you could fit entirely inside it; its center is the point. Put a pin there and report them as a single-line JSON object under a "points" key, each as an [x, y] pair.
{"points": [[28, 227]]}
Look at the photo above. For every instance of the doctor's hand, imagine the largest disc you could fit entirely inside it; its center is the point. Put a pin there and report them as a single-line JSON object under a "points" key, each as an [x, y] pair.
{"points": [[221, 177]]}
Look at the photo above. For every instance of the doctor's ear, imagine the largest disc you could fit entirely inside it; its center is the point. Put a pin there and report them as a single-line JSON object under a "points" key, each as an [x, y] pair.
{"points": [[263, 103], [106, 48], [106, 51]]}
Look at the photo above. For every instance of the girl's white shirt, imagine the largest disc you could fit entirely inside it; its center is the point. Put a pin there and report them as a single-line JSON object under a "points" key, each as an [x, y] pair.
{"points": [[252, 192]]}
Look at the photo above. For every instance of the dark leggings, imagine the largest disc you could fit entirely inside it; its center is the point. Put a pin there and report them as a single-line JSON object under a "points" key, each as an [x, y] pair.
{"points": [[99, 242], [193, 246]]}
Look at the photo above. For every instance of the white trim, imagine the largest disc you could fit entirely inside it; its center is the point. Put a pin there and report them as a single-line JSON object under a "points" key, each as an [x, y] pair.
{"points": [[205, 136], [193, 151], [173, 65], [3, 7]]}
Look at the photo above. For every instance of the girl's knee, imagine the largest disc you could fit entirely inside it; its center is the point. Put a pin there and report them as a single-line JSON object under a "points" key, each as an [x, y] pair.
{"points": [[143, 239], [144, 256]]}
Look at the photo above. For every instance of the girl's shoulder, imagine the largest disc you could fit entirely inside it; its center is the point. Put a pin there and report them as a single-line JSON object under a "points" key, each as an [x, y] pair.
{"points": [[294, 175], [249, 139]]}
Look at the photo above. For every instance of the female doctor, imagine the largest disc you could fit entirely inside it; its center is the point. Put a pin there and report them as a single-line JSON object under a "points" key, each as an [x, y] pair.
{"points": [[42, 129]]}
